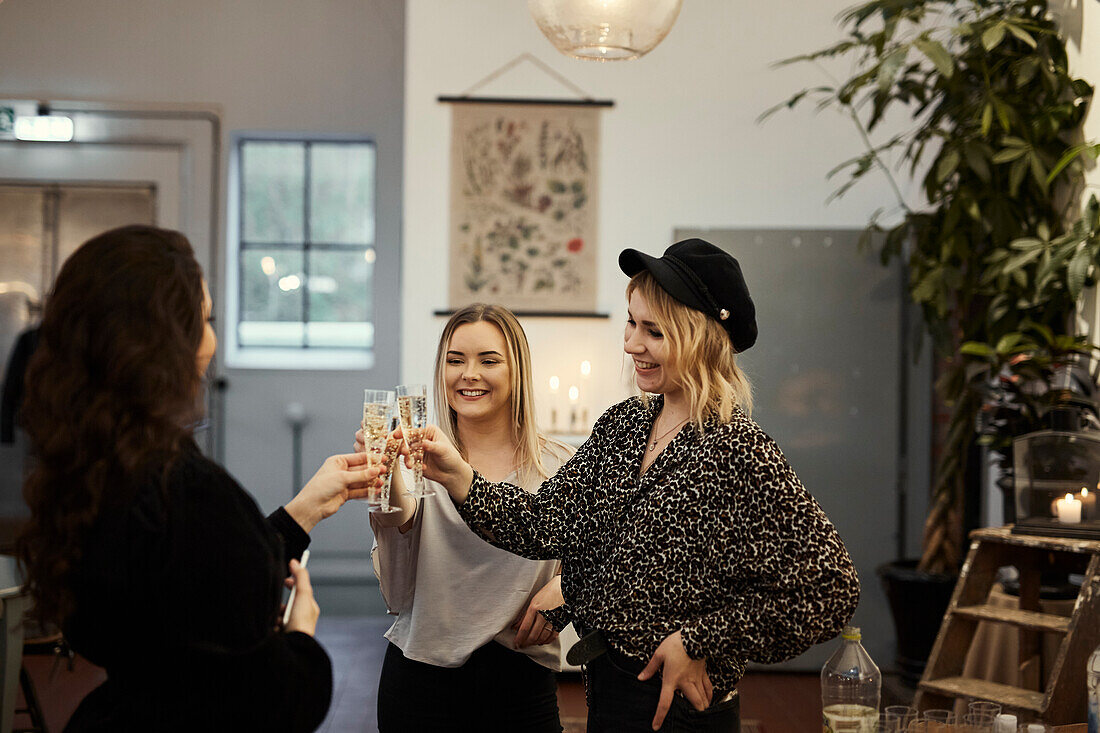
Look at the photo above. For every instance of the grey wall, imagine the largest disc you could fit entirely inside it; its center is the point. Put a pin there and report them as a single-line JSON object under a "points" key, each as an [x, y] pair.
{"points": [[330, 66], [827, 385]]}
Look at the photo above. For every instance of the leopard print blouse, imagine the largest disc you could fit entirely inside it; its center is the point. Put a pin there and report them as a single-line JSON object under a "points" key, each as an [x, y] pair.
{"points": [[718, 539]]}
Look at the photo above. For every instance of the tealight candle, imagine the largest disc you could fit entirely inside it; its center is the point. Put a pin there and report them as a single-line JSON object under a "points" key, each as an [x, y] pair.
{"points": [[1069, 510], [574, 395], [586, 372], [1088, 504], [554, 384]]}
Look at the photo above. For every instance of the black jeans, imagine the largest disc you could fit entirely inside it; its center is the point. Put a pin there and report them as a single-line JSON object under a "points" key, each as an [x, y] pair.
{"points": [[497, 689], [618, 702]]}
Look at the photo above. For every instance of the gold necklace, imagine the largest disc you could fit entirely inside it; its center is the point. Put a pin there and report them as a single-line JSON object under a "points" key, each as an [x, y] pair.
{"points": [[653, 443]]}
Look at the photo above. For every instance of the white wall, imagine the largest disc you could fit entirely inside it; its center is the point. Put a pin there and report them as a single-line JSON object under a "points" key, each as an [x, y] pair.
{"points": [[681, 148], [1081, 21]]}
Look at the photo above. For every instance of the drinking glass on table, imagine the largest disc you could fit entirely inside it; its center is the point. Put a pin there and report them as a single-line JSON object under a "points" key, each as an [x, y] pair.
{"points": [[412, 404], [903, 714], [887, 724], [377, 425], [939, 721], [983, 707], [977, 723]]}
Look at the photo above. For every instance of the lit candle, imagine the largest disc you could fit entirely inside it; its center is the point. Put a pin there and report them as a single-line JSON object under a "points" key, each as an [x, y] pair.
{"points": [[586, 371], [554, 384], [1088, 504], [574, 395], [1069, 510]]}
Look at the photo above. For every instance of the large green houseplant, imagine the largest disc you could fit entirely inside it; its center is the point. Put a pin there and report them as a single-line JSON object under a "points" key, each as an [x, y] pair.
{"points": [[999, 251]]}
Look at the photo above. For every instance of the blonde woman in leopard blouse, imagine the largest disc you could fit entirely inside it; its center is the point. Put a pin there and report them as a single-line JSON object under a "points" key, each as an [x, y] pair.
{"points": [[689, 546]]}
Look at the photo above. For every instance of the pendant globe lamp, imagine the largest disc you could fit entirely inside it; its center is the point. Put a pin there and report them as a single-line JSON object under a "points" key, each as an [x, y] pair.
{"points": [[605, 30]]}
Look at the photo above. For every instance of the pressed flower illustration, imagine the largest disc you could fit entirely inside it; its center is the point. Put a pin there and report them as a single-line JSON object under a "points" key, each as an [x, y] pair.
{"points": [[523, 219]]}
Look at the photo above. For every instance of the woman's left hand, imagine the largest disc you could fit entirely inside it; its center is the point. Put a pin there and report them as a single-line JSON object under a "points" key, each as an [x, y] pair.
{"points": [[679, 672], [530, 625], [340, 478]]}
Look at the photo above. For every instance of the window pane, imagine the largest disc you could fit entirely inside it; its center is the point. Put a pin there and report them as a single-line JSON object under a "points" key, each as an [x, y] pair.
{"points": [[342, 193], [271, 297], [340, 293], [340, 335], [273, 178]]}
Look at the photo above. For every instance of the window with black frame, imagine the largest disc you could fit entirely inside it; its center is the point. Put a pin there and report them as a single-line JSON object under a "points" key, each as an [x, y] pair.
{"points": [[306, 244]]}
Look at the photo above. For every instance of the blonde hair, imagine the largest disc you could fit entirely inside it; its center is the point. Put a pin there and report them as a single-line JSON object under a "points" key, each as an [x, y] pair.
{"points": [[528, 441], [700, 355]]}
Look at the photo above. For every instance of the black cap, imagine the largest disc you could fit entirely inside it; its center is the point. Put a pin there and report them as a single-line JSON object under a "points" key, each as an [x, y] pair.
{"points": [[703, 277]]}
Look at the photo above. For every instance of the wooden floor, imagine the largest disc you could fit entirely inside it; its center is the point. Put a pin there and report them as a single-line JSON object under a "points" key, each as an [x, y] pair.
{"points": [[770, 703]]}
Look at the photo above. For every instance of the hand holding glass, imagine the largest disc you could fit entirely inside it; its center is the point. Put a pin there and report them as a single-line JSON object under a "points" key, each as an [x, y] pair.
{"points": [[377, 414]]}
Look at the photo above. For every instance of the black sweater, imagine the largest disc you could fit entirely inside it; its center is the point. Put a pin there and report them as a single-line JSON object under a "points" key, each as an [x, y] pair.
{"points": [[177, 596]]}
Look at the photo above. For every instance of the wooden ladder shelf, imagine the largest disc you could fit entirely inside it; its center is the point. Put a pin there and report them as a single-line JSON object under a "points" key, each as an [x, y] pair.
{"points": [[1061, 700]]}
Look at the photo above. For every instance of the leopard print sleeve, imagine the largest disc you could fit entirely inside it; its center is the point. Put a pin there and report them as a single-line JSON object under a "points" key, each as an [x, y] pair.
{"points": [[790, 581], [536, 526]]}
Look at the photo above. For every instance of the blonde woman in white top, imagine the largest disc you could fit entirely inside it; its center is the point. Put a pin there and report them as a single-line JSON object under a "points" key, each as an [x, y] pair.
{"points": [[469, 649]]}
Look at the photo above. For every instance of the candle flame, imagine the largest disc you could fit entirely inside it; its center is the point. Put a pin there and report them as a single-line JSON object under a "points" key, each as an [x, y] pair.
{"points": [[1069, 497], [554, 383], [1084, 491], [574, 393], [586, 367]]}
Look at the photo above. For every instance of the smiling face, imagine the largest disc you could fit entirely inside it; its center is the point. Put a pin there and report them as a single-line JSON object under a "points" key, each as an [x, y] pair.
{"points": [[477, 375], [648, 347]]}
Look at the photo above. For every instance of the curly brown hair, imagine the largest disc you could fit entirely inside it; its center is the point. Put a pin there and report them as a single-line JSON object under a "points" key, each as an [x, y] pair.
{"points": [[110, 390]]}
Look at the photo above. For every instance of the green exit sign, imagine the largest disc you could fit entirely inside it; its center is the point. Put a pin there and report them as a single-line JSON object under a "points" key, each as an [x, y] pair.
{"points": [[7, 117]]}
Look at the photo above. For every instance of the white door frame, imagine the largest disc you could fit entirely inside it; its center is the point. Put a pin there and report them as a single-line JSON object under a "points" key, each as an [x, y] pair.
{"points": [[104, 131]]}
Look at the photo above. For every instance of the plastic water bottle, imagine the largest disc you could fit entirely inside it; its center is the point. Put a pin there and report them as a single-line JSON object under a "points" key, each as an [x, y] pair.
{"points": [[1092, 673], [850, 687]]}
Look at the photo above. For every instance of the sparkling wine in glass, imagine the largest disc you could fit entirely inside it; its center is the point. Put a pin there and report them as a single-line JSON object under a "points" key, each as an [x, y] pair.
{"points": [[393, 448], [377, 417], [412, 404]]}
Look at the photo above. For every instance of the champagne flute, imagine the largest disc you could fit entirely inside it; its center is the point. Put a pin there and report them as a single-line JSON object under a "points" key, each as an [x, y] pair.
{"points": [[393, 448], [412, 404], [377, 418]]}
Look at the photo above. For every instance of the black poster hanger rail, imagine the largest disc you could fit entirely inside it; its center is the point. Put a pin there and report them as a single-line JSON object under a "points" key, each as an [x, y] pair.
{"points": [[585, 99]]}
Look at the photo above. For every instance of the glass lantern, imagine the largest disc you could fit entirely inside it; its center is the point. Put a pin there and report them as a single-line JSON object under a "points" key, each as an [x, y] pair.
{"points": [[605, 30], [1056, 477]]}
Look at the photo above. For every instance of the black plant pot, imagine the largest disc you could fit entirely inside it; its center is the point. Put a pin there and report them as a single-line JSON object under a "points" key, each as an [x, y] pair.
{"points": [[918, 602]]}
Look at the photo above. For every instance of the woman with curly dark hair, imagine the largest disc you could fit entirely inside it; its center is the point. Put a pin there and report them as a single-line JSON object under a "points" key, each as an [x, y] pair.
{"points": [[157, 565]]}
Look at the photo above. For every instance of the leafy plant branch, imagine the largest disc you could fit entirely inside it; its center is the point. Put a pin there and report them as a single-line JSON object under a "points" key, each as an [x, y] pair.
{"points": [[998, 253]]}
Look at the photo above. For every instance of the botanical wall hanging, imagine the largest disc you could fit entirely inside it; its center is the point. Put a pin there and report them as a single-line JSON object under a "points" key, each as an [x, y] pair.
{"points": [[524, 207], [524, 214]]}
